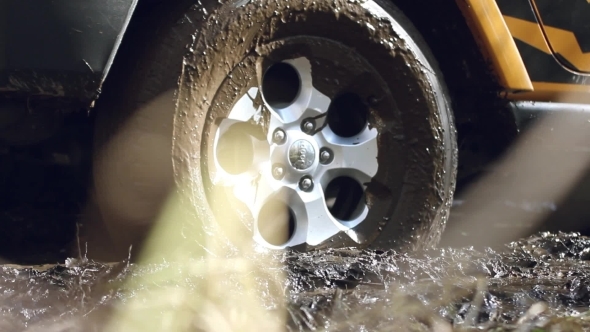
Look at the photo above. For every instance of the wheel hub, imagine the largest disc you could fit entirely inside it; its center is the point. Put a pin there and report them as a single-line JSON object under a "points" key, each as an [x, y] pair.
{"points": [[301, 155]]}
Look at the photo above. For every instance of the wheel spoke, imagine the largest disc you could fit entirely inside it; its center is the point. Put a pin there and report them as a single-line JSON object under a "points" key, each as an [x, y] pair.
{"points": [[269, 205], [309, 101], [316, 110], [358, 154], [319, 102], [245, 108], [241, 185], [239, 153], [254, 189], [311, 210]]}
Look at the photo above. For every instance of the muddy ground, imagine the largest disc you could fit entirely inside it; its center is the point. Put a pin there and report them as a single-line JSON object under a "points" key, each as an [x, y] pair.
{"points": [[529, 285]]}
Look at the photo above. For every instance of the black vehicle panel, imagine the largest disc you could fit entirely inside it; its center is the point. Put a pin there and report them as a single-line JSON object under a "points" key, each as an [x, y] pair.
{"points": [[59, 47]]}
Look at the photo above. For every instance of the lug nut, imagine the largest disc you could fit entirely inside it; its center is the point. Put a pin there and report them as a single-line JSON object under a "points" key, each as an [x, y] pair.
{"points": [[325, 157], [279, 136], [306, 184], [278, 172], [308, 126]]}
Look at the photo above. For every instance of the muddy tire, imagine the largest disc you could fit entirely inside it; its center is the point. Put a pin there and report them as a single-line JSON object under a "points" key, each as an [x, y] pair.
{"points": [[365, 153]]}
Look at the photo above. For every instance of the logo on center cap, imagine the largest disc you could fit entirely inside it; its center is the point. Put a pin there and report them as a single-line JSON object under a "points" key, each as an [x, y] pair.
{"points": [[301, 155]]}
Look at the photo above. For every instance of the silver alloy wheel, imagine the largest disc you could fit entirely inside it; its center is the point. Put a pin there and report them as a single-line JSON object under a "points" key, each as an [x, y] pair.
{"points": [[301, 156], [363, 56]]}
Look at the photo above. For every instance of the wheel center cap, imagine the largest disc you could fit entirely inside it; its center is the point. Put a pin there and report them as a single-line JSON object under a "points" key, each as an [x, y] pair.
{"points": [[301, 154]]}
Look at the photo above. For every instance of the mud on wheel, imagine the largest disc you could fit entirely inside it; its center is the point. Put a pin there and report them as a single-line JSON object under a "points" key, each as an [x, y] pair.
{"points": [[313, 124]]}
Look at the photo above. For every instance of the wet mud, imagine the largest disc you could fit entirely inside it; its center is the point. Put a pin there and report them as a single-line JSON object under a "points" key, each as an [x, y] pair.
{"points": [[529, 285]]}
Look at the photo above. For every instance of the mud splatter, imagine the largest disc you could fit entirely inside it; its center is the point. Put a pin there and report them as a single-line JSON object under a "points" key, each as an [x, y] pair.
{"points": [[532, 283]]}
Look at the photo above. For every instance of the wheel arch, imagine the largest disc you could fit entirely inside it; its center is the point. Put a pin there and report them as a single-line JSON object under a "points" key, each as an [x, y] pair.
{"points": [[484, 123]]}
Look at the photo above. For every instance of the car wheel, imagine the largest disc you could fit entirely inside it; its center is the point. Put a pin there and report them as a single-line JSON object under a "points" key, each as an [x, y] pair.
{"points": [[306, 124]]}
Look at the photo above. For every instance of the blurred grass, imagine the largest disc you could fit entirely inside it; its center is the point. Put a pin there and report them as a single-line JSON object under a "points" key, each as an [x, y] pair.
{"points": [[212, 288]]}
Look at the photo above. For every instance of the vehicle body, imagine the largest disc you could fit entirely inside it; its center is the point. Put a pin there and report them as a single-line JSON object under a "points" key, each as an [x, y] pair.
{"points": [[505, 61], [538, 49]]}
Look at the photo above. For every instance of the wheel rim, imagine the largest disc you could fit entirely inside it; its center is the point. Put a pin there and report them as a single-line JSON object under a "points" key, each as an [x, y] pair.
{"points": [[311, 163]]}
